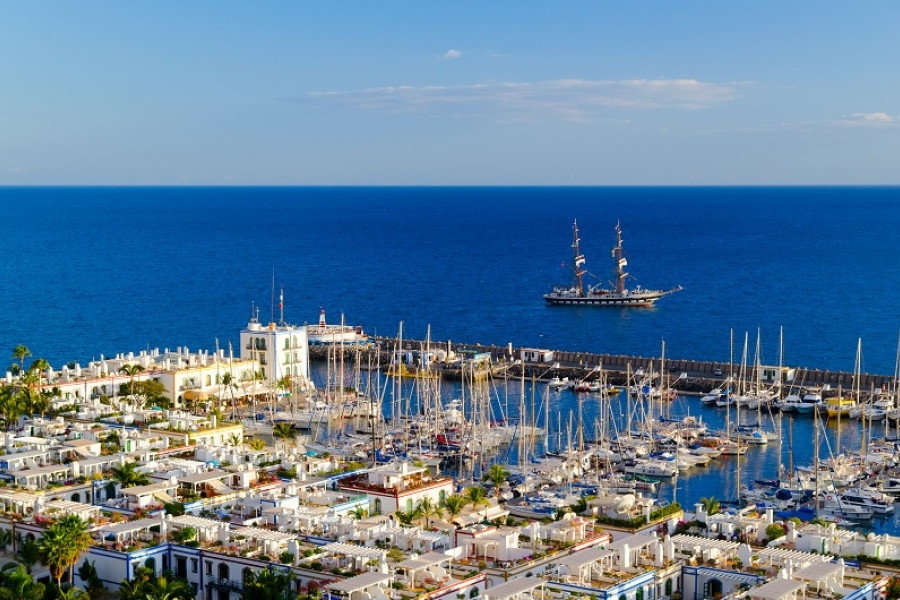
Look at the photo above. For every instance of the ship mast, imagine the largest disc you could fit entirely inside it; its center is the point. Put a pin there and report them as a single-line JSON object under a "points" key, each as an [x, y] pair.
{"points": [[579, 260], [621, 262]]}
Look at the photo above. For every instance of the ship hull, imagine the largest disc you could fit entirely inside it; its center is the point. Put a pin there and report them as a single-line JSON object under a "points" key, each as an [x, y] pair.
{"points": [[603, 300]]}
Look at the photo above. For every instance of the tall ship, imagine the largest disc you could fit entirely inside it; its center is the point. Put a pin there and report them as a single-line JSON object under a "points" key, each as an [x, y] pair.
{"points": [[598, 295]]}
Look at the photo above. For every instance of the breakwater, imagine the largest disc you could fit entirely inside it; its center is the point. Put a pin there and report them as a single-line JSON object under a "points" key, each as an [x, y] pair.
{"points": [[690, 376]]}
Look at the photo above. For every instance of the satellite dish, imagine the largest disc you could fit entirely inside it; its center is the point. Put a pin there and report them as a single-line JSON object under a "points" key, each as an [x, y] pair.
{"points": [[625, 503]]}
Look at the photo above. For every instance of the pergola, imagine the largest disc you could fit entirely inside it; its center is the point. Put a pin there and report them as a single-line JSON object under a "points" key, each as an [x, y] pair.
{"points": [[40, 476], [367, 585], [271, 542], [780, 557], [515, 589], [67, 507], [126, 532], [581, 565], [359, 555], [827, 573], [18, 502], [207, 529], [432, 566], [778, 589]]}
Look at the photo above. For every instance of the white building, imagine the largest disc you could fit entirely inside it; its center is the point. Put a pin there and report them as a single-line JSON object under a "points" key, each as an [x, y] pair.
{"points": [[281, 350]]}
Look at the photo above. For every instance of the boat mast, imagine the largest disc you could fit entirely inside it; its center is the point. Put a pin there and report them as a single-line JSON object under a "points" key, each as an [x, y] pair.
{"points": [[579, 260], [621, 261]]}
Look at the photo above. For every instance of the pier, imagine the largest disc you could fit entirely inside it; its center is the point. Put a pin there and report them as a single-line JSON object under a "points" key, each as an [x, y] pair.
{"points": [[700, 375]]}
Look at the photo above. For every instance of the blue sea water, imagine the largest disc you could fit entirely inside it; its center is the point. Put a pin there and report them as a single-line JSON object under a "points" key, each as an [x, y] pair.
{"points": [[91, 271], [103, 270]]}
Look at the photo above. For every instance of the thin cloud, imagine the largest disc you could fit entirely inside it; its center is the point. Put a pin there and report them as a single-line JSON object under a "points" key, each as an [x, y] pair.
{"points": [[452, 54], [872, 119], [568, 99]]}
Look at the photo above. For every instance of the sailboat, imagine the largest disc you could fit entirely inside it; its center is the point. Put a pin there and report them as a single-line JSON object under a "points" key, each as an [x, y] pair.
{"points": [[596, 295]]}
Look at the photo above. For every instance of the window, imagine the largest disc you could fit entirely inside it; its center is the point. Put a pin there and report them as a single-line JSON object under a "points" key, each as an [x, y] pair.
{"points": [[209, 567], [224, 571], [247, 575], [194, 565], [180, 566], [377, 506], [287, 343], [150, 563]]}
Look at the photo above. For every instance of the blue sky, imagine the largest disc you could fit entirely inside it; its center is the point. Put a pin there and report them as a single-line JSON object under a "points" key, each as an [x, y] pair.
{"points": [[440, 93]]}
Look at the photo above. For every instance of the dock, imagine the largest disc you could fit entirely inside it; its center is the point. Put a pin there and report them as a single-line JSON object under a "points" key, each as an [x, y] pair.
{"points": [[686, 376]]}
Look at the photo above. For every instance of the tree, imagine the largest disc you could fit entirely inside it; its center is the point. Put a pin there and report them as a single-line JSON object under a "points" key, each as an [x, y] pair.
{"points": [[256, 444], [476, 496], [73, 593], [131, 371], [268, 584], [429, 508], [128, 475], [93, 585], [235, 439], [774, 531], [6, 539], [20, 353], [406, 517], [359, 513], [38, 366], [454, 504], [16, 583], [150, 392], [12, 406], [165, 588], [28, 553], [229, 384], [284, 431], [497, 474], [62, 544], [145, 586], [184, 535], [711, 505]]}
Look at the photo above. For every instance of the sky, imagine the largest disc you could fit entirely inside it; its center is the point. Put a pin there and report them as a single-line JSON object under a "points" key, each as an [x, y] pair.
{"points": [[450, 93]]}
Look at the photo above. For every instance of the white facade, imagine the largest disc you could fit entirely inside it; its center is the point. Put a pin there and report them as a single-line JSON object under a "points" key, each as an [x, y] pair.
{"points": [[281, 350]]}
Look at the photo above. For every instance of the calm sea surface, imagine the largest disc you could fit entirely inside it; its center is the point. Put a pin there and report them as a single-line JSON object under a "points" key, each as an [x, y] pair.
{"points": [[91, 271]]}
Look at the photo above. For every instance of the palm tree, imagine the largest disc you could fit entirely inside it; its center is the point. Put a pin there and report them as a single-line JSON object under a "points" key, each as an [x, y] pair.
{"points": [[476, 496], [256, 444], [131, 371], [711, 505], [163, 588], [359, 513], [284, 431], [228, 382], [128, 475], [73, 593], [497, 474], [429, 508], [38, 366], [454, 504], [16, 583], [28, 553], [6, 539], [406, 517], [12, 406], [62, 544], [235, 439], [20, 353], [268, 584]]}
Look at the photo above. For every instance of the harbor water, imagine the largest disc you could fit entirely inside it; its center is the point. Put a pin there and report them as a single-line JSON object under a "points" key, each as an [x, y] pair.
{"points": [[89, 272]]}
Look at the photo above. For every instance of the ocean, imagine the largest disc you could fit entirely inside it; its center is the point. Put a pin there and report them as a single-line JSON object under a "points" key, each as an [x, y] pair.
{"points": [[98, 271]]}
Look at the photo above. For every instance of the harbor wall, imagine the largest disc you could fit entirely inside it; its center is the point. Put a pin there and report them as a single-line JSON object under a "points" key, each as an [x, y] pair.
{"points": [[700, 373]]}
